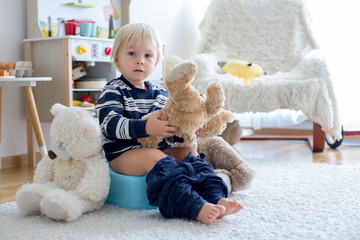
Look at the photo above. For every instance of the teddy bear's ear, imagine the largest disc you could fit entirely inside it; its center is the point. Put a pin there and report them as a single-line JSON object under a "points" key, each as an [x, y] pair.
{"points": [[56, 108]]}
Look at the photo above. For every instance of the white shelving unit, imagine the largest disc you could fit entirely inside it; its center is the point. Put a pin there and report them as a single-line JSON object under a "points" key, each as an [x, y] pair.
{"points": [[86, 90], [54, 57]]}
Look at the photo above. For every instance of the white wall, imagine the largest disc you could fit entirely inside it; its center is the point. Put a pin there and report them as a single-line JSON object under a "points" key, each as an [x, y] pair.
{"points": [[13, 124], [176, 21], [337, 30]]}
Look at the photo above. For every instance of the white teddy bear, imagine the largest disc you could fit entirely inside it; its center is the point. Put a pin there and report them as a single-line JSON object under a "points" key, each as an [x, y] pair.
{"points": [[74, 177]]}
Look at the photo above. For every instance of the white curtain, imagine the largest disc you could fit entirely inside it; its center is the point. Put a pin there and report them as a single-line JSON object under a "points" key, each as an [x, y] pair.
{"points": [[337, 28]]}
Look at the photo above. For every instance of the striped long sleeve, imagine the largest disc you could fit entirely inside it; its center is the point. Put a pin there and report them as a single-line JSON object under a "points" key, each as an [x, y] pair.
{"points": [[119, 110]]}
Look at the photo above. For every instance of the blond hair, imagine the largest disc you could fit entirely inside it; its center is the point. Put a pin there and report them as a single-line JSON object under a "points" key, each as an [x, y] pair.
{"points": [[137, 33]]}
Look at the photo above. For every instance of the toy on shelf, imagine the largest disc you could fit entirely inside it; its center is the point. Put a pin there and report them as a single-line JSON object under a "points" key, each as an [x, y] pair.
{"points": [[19, 69], [90, 83], [86, 98], [242, 69], [4, 74], [78, 72], [7, 66], [84, 101], [80, 81], [7, 69], [80, 4]]}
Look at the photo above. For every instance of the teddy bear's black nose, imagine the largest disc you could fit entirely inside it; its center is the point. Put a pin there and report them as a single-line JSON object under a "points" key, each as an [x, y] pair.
{"points": [[51, 155]]}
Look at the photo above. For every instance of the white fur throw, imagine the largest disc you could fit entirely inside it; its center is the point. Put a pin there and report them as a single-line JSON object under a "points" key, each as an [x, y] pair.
{"points": [[276, 34]]}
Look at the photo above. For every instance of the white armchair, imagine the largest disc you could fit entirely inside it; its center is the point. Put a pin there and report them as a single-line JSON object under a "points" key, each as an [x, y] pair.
{"points": [[276, 34]]}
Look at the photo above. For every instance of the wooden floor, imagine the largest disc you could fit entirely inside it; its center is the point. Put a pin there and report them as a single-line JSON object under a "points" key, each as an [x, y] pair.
{"points": [[12, 179]]}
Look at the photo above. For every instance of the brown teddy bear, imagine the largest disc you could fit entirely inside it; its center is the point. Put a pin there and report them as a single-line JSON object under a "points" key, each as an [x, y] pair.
{"points": [[232, 133], [228, 164], [189, 110]]}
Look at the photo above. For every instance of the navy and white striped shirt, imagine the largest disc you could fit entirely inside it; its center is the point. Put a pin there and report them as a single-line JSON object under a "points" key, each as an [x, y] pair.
{"points": [[119, 110]]}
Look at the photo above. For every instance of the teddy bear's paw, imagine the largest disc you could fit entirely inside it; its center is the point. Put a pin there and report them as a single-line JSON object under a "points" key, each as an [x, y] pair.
{"points": [[28, 201], [216, 91], [61, 205], [232, 133], [53, 209], [245, 187], [149, 142], [224, 174], [242, 177], [227, 116], [187, 69], [190, 139], [215, 99]]}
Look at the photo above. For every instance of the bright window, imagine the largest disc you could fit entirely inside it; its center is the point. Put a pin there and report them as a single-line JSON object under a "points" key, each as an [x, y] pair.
{"points": [[337, 28]]}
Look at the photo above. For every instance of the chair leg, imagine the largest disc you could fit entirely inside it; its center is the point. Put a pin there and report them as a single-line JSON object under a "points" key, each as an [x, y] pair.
{"points": [[316, 141], [318, 144]]}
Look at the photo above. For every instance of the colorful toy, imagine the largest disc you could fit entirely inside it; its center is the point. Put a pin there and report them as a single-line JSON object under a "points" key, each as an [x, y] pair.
{"points": [[74, 177], [7, 66], [83, 104], [4, 74], [86, 98], [78, 72], [242, 69]]}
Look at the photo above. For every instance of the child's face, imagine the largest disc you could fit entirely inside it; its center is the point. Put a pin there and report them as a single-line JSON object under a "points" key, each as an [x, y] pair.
{"points": [[136, 62]]}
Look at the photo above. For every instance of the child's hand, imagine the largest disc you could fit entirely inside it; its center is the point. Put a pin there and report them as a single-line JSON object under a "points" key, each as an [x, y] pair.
{"points": [[156, 127], [202, 129]]}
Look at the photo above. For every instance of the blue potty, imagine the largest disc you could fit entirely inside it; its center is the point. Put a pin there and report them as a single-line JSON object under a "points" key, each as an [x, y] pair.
{"points": [[128, 191]]}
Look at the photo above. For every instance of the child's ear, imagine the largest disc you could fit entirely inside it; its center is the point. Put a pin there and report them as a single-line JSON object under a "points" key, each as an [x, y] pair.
{"points": [[157, 61], [116, 61]]}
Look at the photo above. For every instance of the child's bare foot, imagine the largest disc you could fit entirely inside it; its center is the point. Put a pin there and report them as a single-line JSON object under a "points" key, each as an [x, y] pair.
{"points": [[209, 212], [231, 206]]}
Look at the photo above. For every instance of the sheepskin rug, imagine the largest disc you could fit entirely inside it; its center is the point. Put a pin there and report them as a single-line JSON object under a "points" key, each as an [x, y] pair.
{"points": [[289, 199]]}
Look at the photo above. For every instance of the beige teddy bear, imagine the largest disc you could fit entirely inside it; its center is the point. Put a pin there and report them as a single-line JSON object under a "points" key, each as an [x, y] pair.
{"points": [[233, 131], [74, 177], [189, 110], [228, 164]]}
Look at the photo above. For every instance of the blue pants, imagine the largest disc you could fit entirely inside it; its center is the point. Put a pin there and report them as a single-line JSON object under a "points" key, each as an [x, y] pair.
{"points": [[180, 190]]}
